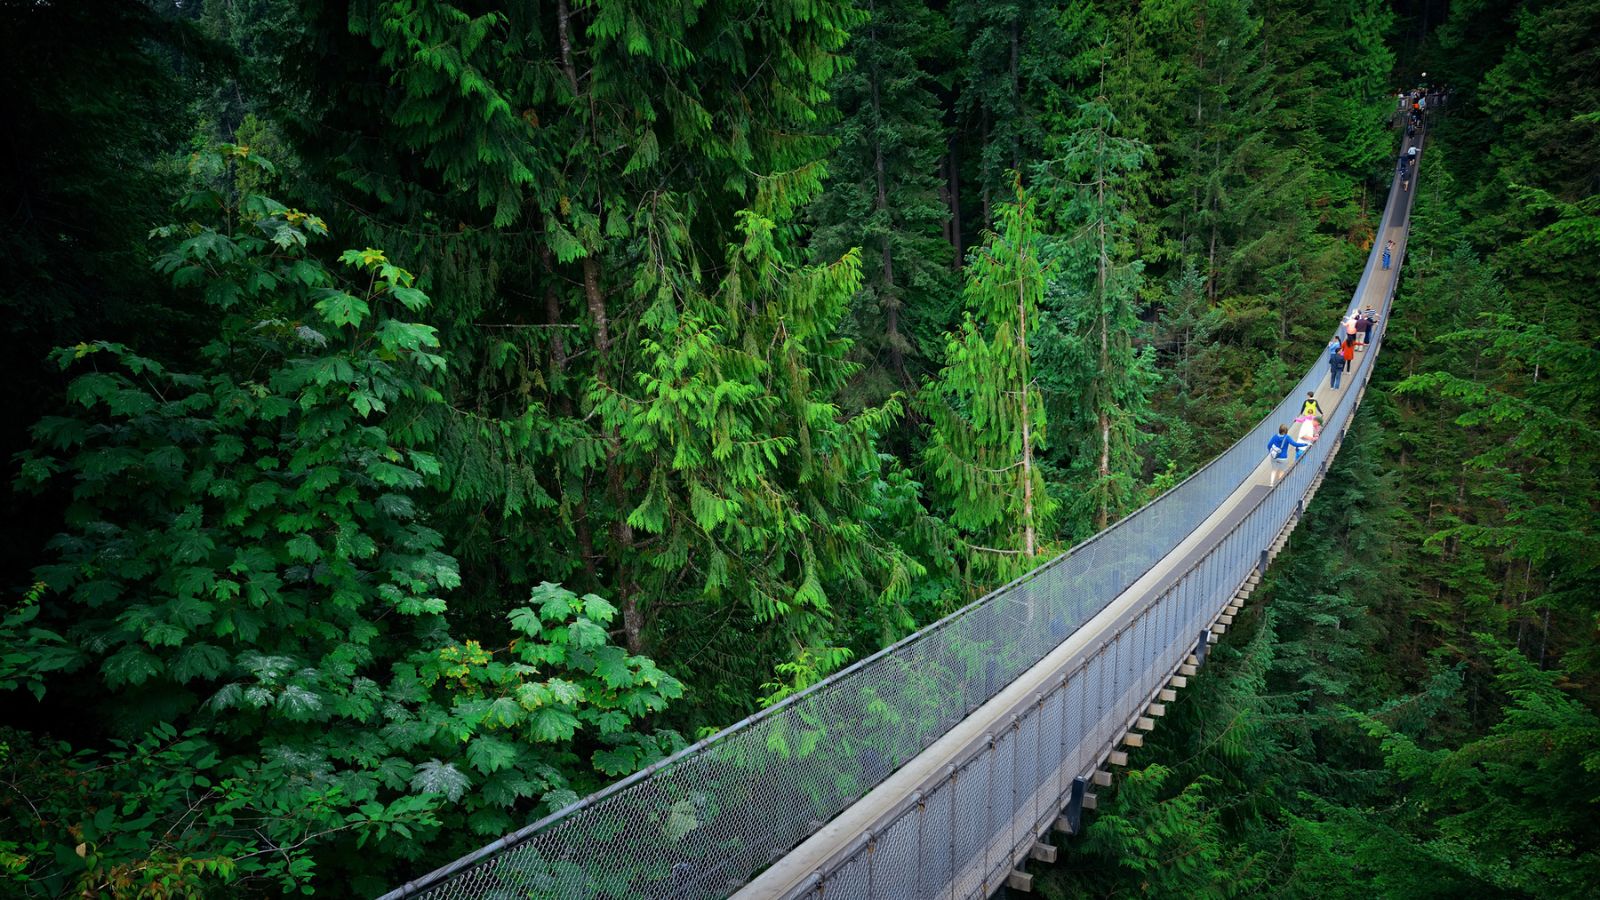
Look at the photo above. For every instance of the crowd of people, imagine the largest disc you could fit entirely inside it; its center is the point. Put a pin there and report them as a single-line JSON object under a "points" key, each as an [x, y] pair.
{"points": [[1413, 108], [1356, 333], [1356, 330]]}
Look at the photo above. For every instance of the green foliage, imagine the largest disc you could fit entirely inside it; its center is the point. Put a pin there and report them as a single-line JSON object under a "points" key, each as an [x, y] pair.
{"points": [[986, 416], [181, 819], [663, 422], [1170, 846], [884, 193], [247, 556], [1534, 768], [1097, 381]]}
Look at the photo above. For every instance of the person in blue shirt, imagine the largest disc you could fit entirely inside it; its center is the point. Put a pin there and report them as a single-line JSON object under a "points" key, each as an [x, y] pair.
{"points": [[1335, 362], [1278, 452]]}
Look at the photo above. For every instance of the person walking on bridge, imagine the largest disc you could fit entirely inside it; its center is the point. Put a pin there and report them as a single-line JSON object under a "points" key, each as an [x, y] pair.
{"points": [[1387, 248], [1368, 322], [1278, 453], [1335, 362], [1347, 352], [1310, 407]]}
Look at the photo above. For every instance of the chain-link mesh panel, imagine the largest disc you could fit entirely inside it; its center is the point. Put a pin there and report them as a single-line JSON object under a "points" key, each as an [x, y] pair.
{"points": [[938, 825]]}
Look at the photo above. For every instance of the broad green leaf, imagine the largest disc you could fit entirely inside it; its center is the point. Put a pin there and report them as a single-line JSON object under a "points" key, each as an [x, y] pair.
{"points": [[341, 309]]}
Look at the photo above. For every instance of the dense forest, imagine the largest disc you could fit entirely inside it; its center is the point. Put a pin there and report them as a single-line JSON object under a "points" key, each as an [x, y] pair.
{"points": [[426, 413]]}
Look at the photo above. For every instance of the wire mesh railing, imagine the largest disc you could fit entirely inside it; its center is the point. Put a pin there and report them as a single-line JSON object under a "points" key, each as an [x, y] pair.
{"points": [[961, 834], [701, 823]]}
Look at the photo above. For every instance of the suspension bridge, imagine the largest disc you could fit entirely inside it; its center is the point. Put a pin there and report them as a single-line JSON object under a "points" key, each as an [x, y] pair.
{"points": [[936, 767]]}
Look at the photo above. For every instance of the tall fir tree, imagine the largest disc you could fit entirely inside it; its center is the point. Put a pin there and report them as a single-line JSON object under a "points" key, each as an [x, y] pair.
{"points": [[986, 416], [1099, 379], [884, 192], [1004, 82], [585, 181]]}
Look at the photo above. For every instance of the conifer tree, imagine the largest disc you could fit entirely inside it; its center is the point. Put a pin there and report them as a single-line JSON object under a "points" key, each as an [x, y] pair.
{"points": [[1006, 78], [604, 171], [883, 191], [1228, 179], [757, 487], [987, 419], [1099, 379], [1184, 350]]}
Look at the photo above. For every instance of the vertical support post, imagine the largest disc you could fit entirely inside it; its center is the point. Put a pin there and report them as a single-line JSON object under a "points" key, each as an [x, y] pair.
{"points": [[1200, 648], [872, 874], [1061, 754], [1016, 771], [988, 804], [1265, 560], [1074, 813], [951, 859], [922, 818]]}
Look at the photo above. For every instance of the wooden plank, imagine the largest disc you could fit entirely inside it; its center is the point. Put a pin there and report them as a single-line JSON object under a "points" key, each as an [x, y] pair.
{"points": [[1102, 778], [1167, 695], [1217, 629], [1133, 739], [1226, 618], [1090, 801], [1156, 709], [1042, 852], [1179, 681], [1144, 723], [1117, 758], [1185, 669], [1212, 638], [1062, 825], [1020, 881]]}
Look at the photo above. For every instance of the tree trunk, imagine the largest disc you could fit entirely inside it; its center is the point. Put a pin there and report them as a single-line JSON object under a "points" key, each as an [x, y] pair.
{"points": [[988, 218], [621, 532], [552, 316], [1016, 97], [594, 297], [563, 405], [1103, 398], [944, 197], [888, 295], [1211, 268], [564, 30], [955, 204], [1029, 529]]}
